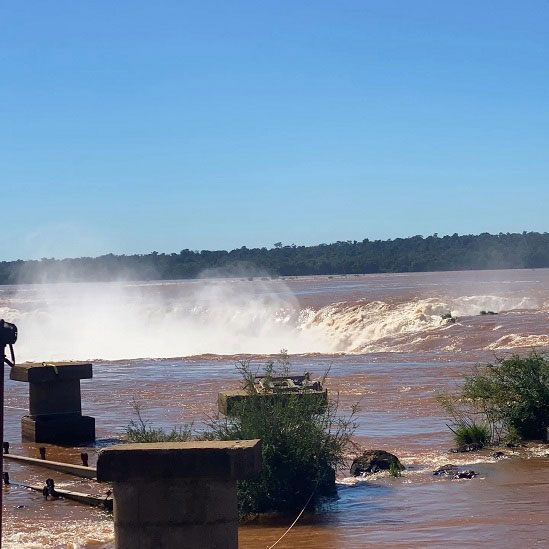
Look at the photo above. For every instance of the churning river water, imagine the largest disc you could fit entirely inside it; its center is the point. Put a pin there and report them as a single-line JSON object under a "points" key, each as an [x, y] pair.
{"points": [[172, 346]]}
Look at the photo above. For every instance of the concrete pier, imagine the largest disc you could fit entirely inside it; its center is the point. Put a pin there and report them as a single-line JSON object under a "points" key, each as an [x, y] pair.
{"points": [[169, 495], [228, 402], [55, 408]]}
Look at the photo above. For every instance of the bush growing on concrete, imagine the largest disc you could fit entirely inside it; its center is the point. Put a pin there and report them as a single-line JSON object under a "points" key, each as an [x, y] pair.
{"points": [[302, 443], [503, 401]]}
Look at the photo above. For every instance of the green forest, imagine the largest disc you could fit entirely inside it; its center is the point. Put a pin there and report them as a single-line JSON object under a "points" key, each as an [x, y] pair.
{"points": [[414, 254]]}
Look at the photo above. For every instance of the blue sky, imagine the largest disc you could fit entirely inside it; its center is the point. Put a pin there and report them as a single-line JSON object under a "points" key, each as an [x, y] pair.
{"points": [[133, 126]]}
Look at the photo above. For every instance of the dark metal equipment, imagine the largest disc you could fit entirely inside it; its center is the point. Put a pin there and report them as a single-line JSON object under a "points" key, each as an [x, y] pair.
{"points": [[8, 337]]}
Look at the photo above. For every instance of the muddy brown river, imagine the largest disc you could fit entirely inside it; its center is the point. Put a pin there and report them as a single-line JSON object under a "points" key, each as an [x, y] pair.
{"points": [[387, 347]]}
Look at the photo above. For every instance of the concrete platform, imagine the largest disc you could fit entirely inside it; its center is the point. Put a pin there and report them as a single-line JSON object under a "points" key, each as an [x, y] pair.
{"points": [[106, 501], [68, 468], [228, 401], [38, 372], [231, 460]]}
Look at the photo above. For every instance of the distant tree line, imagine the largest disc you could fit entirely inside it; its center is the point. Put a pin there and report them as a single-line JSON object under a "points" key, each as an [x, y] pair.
{"points": [[414, 254]]}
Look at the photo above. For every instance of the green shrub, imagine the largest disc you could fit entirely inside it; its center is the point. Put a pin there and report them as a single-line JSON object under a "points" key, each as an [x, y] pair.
{"points": [[303, 443], [510, 397], [472, 434], [302, 446], [140, 430]]}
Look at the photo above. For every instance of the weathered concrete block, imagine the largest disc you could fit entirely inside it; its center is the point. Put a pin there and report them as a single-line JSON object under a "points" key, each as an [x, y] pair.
{"points": [[235, 460], [33, 372], [55, 397], [58, 428], [169, 495], [191, 502], [203, 536], [228, 401], [55, 402]]}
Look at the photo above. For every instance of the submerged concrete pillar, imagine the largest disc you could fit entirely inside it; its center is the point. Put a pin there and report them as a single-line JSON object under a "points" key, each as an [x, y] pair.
{"points": [[177, 495], [54, 402]]}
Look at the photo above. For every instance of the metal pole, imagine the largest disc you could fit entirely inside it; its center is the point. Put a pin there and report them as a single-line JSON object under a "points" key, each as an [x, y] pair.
{"points": [[8, 336], [3, 365]]}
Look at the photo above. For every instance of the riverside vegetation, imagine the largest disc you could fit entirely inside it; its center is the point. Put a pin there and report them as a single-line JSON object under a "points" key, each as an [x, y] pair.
{"points": [[504, 402], [414, 254], [303, 444], [140, 430]]}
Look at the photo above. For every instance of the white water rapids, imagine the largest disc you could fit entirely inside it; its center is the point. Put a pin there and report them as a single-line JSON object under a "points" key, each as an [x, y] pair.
{"points": [[225, 317]]}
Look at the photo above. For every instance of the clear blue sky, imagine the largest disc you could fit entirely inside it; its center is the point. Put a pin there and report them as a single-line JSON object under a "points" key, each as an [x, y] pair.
{"points": [[132, 126]]}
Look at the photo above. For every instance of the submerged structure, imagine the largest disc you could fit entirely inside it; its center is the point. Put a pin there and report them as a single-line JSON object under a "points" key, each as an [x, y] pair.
{"points": [[269, 387], [177, 494], [55, 407]]}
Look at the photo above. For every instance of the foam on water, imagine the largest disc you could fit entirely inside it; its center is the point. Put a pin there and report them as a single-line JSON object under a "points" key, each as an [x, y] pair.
{"points": [[227, 317], [44, 533], [513, 341]]}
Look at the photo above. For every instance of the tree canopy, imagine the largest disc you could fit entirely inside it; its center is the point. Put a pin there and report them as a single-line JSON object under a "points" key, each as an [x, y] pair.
{"points": [[413, 254]]}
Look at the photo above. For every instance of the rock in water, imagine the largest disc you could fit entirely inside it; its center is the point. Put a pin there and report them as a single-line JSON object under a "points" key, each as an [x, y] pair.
{"points": [[472, 447], [372, 461], [449, 469], [465, 474]]}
